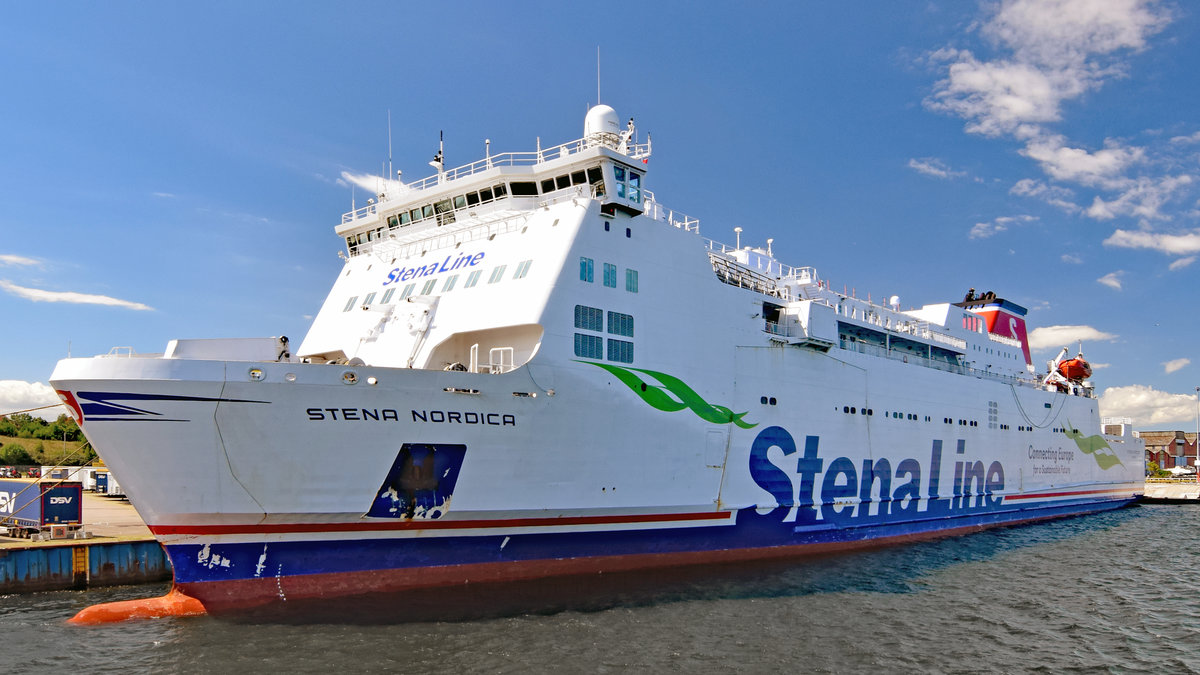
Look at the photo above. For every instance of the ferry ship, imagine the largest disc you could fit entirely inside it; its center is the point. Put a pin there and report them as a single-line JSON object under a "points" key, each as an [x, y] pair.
{"points": [[529, 367]]}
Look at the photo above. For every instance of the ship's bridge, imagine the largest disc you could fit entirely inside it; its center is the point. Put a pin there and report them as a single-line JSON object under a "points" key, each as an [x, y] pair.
{"points": [[606, 164]]}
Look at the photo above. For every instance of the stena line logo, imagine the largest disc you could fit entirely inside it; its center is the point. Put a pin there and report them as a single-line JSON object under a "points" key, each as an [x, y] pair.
{"points": [[452, 262], [836, 491]]}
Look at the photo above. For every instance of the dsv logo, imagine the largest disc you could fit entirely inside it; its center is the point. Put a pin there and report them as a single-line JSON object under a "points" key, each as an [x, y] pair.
{"points": [[60, 500]]}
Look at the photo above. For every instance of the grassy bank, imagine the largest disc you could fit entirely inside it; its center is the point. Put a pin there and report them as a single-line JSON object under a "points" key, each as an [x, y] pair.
{"points": [[49, 452]]}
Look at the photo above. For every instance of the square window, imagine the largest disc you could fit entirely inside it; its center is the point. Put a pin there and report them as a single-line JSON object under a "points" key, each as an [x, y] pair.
{"points": [[589, 318], [620, 351], [620, 324], [460, 202], [562, 182], [589, 346], [472, 198], [485, 195], [404, 218], [548, 185]]}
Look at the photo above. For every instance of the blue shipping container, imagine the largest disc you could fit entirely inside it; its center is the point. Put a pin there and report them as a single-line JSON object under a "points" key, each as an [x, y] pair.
{"points": [[33, 503]]}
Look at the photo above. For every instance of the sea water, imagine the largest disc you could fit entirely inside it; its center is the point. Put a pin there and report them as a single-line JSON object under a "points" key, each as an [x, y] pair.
{"points": [[1113, 592]]}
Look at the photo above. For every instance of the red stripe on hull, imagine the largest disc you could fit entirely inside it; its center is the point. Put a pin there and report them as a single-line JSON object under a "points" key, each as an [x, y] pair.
{"points": [[1072, 493], [401, 525]]}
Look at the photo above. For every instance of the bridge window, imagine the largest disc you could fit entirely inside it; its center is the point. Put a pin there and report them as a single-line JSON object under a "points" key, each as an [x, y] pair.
{"points": [[610, 275], [523, 188], [586, 270], [631, 281]]}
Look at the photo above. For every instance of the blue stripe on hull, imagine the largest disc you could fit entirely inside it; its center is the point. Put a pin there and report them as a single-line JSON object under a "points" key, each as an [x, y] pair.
{"points": [[220, 562]]}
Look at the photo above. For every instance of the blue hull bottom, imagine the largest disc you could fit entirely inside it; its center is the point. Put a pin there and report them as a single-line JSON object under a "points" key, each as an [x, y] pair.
{"points": [[240, 576]]}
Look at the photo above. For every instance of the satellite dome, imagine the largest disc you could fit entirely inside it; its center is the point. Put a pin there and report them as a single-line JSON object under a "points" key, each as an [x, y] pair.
{"points": [[601, 119]]}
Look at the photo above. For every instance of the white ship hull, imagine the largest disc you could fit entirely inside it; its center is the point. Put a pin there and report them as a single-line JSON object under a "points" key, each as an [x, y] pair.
{"points": [[576, 382]]}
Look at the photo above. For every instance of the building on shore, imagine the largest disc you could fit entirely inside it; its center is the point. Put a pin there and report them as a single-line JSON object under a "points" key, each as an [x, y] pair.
{"points": [[1170, 449]]}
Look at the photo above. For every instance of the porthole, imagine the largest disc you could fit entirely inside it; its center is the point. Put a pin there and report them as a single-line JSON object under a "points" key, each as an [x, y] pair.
{"points": [[256, 375], [350, 377]]}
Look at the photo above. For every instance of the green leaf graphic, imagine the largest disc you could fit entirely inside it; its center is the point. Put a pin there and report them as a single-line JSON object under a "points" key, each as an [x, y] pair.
{"points": [[657, 396], [1096, 446]]}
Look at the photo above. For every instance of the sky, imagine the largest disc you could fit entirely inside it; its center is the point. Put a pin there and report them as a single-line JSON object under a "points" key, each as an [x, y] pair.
{"points": [[176, 170]]}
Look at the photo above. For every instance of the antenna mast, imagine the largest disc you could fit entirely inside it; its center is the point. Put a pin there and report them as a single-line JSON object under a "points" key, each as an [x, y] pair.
{"points": [[389, 171], [597, 74]]}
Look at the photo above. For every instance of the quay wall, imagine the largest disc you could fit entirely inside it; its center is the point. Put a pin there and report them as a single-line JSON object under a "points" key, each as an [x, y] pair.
{"points": [[77, 565]]}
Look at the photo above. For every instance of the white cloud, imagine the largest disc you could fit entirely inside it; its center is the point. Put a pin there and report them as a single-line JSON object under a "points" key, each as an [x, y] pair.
{"points": [[1194, 138], [1112, 279], [1057, 337], [1181, 263], [1143, 197], [1147, 406], [1103, 167], [38, 295], [1051, 194], [16, 395], [995, 98], [1050, 32], [1071, 258], [985, 230], [1174, 365], [15, 260], [1172, 244], [936, 168]]}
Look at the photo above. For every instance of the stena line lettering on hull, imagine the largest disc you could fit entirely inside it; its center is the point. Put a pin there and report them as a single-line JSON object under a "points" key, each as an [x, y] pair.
{"points": [[501, 373], [845, 493]]}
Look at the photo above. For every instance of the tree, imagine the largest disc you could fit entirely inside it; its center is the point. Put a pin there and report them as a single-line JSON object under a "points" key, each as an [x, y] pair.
{"points": [[16, 454]]}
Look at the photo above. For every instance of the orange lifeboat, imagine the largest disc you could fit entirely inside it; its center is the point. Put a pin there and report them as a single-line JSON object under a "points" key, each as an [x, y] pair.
{"points": [[1076, 369]]}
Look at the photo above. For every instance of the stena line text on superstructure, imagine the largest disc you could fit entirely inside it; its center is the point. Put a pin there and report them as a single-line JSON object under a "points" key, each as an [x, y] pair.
{"points": [[841, 492], [452, 262]]}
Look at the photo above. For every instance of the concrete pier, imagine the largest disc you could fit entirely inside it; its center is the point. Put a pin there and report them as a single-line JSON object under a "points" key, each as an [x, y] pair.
{"points": [[1172, 493], [121, 551]]}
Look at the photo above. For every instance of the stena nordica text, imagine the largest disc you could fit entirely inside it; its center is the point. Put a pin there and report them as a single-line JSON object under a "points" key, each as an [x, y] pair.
{"points": [[529, 367]]}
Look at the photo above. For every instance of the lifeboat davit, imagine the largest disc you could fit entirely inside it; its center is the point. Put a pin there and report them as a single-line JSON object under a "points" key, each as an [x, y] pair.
{"points": [[1076, 369]]}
